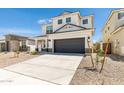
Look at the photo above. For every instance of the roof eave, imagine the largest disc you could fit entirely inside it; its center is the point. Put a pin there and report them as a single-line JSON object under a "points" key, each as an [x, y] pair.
{"points": [[117, 30], [112, 12]]}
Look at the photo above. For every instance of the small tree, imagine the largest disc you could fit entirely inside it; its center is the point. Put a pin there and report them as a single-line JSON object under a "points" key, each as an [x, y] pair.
{"points": [[106, 49], [99, 55], [90, 47]]}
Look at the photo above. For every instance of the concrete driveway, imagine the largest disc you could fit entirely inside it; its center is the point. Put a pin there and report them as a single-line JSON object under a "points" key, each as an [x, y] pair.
{"points": [[47, 68]]}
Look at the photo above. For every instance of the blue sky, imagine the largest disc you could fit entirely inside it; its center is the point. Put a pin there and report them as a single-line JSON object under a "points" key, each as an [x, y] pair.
{"points": [[27, 21]]}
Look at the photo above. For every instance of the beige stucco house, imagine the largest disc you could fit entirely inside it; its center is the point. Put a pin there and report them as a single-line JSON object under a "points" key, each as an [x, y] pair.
{"points": [[114, 29], [67, 33], [12, 43]]}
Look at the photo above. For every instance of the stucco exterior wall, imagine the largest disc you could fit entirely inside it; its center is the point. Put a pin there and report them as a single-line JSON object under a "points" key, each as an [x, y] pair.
{"points": [[90, 21], [73, 34], [69, 35], [66, 35], [118, 43], [31, 44], [115, 32], [113, 24], [74, 20]]}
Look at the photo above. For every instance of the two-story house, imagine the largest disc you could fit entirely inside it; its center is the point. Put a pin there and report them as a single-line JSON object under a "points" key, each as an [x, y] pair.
{"points": [[114, 30], [67, 33]]}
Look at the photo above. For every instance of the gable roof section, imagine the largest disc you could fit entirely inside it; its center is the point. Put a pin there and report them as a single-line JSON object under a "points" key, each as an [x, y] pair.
{"points": [[78, 28], [14, 36], [65, 12], [117, 29], [41, 36]]}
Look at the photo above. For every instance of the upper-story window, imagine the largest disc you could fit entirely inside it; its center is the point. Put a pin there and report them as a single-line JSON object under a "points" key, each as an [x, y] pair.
{"points": [[60, 21], [120, 15], [85, 21], [68, 20], [49, 29]]}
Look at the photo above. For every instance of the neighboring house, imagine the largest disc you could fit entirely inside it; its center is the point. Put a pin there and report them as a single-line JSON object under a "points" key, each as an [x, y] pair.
{"points": [[16, 43], [114, 29], [2, 44], [67, 33]]}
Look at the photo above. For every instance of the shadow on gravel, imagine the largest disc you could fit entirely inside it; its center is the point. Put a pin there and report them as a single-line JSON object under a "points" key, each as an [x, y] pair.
{"points": [[116, 57], [89, 69]]}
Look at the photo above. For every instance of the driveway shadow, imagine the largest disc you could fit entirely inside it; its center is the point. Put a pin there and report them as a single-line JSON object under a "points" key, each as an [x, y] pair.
{"points": [[68, 54]]}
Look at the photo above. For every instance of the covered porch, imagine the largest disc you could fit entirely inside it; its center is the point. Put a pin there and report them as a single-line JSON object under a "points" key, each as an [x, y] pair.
{"points": [[44, 44]]}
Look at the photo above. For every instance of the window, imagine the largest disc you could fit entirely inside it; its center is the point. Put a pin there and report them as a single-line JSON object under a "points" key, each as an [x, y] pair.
{"points": [[23, 44], [60, 21], [120, 15], [68, 20], [85, 21], [49, 29]]}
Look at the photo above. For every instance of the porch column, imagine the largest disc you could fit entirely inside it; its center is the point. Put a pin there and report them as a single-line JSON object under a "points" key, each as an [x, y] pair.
{"points": [[6, 46], [36, 43], [46, 43], [52, 41], [0, 47], [86, 44]]}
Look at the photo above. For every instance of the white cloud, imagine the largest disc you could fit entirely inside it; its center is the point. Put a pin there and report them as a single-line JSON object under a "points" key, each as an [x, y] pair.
{"points": [[50, 20], [44, 21]]}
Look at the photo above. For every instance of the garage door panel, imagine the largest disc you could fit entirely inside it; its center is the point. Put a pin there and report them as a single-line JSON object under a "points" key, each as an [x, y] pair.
{"points": [[70, 45]]}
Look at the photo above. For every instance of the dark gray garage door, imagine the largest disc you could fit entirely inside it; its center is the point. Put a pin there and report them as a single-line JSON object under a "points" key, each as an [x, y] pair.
{"points": [[70, 45]]}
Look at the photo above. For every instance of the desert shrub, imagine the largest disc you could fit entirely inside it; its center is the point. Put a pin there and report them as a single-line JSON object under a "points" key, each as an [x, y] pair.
{"points": [[100, 52], [34, 53], [99, 55], [16, 51], [96, 47]]}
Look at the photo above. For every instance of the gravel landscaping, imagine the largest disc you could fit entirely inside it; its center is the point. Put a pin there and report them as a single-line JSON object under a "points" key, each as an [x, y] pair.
{"points": [[112, 74], [7, 59]]}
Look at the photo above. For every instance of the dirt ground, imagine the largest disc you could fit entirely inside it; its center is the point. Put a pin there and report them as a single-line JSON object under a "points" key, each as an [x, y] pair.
{"points": [[7, 59], [112, 74]]}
